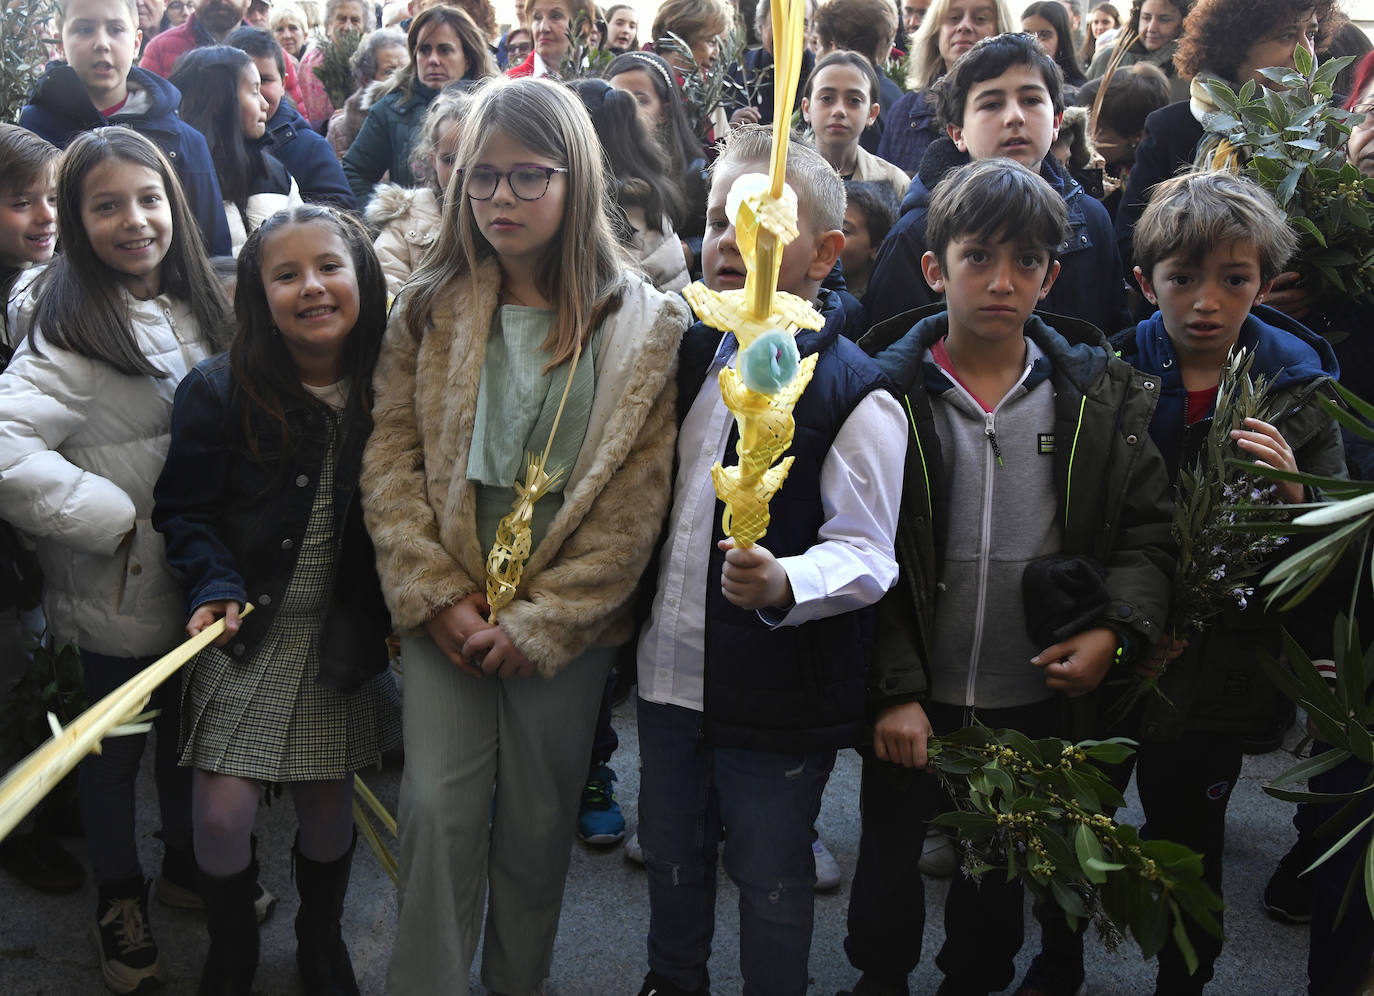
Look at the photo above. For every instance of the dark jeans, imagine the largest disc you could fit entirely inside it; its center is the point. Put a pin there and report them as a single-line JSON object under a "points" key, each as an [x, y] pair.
{"points": [[106, 783], [1185, 786], [984, 922], [689, 794], [605, 742], [1340, 959]]}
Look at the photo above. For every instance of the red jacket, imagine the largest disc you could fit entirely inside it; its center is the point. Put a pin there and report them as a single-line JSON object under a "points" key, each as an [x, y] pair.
{"points": [[525, 68], [162, 52]]}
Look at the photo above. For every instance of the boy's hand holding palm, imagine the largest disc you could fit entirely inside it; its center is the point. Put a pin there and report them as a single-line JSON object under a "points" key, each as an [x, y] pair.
{"points": [[1077, 665], [753, 578]]}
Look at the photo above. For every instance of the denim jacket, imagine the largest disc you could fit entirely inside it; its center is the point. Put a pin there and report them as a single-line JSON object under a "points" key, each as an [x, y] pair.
{"points": [[234, 521]]}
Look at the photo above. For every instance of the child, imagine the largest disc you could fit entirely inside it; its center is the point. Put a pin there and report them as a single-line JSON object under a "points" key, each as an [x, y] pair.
{"points": [[85, 411], [752, 665], [1207, 250], [476, 359], [288, 137], [841, 100], [300, 692], [1002, 98], [28, 216], [99, 84], [1029, 440], [408, 218], [222, 96], [646, 192], [869, 213]]}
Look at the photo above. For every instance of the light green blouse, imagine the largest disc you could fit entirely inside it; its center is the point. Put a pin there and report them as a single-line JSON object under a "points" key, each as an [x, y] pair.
{"points": [[516, 404]]}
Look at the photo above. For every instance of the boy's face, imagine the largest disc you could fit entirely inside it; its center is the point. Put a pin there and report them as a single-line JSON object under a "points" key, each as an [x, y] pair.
{"points": [[99, 40], [271, 86], [28, 221], [1205, 301], [805, 260], [840, 107], [991, 286], [1010, 115], [859, 250]]}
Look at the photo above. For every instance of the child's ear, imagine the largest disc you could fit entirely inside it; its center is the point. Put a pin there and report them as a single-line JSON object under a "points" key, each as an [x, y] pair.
{"points": [[1147, 288], [956, 135], [1051, 275], [934, 273], [873, 110], [806, 110], [1264, 290], [1054, 135], [825, 251]]}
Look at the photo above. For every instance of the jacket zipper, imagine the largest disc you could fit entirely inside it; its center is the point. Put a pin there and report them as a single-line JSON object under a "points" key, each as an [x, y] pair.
{"points": [[984, 544]]}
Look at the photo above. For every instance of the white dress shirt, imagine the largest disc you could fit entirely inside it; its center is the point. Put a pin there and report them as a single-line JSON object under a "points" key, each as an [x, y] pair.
{"points": [[850, 567]]}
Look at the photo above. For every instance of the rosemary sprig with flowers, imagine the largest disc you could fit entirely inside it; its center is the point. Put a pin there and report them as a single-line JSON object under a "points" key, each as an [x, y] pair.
{"points": [[1219, 563], [1033, 809]]}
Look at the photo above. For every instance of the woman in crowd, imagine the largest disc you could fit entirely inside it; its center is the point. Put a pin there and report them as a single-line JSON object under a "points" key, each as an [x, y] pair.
{"points": [[340, 18], [1105, 19], [1151, 35], [444, 46], [291, 29], [949, 30], [1049, 23], [378, 55], [554, 24]]}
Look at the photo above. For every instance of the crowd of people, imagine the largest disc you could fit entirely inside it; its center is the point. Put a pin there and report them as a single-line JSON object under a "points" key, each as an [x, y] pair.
{"points": [[270, 345]]}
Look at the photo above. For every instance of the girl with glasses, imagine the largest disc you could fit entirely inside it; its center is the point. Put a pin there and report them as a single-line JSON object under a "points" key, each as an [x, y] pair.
{"points": [[521, 332]]}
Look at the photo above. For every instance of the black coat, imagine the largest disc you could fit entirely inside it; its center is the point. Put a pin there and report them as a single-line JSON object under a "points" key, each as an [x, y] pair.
{"points": [[234, 520]]}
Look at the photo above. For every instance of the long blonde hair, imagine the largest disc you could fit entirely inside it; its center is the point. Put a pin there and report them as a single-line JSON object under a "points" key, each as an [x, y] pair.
{"points": [[581, 268], [926, 64]]}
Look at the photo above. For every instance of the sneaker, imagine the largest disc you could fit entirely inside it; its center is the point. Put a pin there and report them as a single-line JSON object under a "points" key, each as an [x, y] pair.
{"points": [[939, 856], [128, 954], [599, 820], [1043, 980], [633, 852], [1288, 895], [827, 868], [40, 860]]}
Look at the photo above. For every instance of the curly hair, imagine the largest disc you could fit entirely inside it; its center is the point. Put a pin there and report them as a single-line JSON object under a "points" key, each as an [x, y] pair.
{"points": [[1218, 33]]}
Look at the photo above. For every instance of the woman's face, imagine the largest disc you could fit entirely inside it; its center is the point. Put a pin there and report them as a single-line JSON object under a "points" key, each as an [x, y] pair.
{"points": [[622, 29], [1102, 21], [1277, 48], [439, 57], [290, 35], [965, 22], [389, 59], [1160, 23], [1043, 32], [519, 45], [348, 16], [551, 21], [1360, 149], [638, 84]]}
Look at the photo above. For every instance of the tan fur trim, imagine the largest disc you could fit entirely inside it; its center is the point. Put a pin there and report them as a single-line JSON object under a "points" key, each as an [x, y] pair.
{"points": [[389, 202]]}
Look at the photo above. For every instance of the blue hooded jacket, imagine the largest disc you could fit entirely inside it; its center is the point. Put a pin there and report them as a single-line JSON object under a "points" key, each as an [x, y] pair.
{"points": [[308, 157], [1089, 287], [1299, 360], [59, 110]]}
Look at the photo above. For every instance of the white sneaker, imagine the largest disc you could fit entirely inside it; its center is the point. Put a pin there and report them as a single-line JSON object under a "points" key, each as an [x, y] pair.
{"points": [[633, 852], [827, 868], [939, 856]]}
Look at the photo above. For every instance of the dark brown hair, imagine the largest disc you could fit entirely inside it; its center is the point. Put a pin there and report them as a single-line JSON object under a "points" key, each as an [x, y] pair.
{"points": [[1219, 33]]}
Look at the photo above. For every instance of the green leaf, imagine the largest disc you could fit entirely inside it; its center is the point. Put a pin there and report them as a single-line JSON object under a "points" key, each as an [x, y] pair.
{"points": [[1350, 835], [1181, 938], [1068, 899], [1088, 848], [1104, 866], [1284, 193], [1369, 875], [1318, 764]]}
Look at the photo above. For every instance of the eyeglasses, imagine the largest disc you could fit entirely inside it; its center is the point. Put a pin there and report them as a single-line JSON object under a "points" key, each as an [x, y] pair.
{"points": [[519, 49], [529, 183]]}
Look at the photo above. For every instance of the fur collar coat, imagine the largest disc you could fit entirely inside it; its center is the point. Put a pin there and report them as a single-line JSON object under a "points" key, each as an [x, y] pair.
{"points": [[421, 509]]}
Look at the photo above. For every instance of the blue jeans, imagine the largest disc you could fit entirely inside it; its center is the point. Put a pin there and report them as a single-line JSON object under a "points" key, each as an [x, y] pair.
{"points": [[689, 794]]}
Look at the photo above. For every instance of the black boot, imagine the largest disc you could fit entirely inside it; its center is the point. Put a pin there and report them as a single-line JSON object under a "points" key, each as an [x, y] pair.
{"points": [[321, 953], [233, 925]]}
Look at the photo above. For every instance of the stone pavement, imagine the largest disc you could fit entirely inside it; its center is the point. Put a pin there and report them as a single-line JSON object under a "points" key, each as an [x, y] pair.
{"points": [[45, 944]]}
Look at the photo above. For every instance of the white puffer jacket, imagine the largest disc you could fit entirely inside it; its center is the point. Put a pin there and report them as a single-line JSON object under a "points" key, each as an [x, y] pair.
{"points": [[408, 219], [81, 447], [261, 206]]}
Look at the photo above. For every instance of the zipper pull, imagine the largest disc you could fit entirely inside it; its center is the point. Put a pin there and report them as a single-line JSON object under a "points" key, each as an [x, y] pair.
{"points": [[991, 433]]}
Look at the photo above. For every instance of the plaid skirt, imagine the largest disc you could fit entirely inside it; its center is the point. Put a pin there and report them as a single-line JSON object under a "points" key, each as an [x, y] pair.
{"points": [[267, 717]]}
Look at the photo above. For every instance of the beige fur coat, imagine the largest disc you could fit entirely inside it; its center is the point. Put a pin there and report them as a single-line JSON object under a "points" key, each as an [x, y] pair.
{"points": [[421, 509]]}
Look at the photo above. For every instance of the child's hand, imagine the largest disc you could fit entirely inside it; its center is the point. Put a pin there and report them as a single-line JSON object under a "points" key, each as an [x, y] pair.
{"points": [[1077, 665], [1161, 653], [207, 612], [901, 733], [1267, 445], [491, 650], [753, 578], [452, 628]]}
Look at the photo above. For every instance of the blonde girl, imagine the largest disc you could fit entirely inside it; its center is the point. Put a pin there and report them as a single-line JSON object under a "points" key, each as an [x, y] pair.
{"points": [[524, 294], [121, 315], [408, 217]]}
